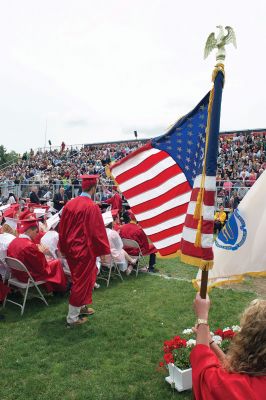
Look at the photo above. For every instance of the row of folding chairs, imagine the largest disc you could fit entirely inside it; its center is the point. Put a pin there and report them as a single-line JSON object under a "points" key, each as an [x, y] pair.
{"points": [[106, 272]]}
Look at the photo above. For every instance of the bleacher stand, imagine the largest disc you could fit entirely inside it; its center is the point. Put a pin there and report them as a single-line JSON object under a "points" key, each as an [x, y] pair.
{"points": [[241, 161]]}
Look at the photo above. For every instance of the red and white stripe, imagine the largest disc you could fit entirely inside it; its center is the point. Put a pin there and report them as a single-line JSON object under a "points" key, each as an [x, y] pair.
{"points": [[158, 193], [164, 203], [190, 227]]}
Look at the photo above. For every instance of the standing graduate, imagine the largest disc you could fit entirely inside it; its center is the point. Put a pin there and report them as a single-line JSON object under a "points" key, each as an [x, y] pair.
{"points": [[82, 238], [115, 201]]}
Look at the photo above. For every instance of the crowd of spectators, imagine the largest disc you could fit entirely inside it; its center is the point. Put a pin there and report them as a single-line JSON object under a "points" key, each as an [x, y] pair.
{"points": [[241, 161], [53, 168]]}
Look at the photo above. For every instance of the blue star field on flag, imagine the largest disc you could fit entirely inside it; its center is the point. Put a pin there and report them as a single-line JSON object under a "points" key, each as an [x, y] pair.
{"points": [[185, 140]]}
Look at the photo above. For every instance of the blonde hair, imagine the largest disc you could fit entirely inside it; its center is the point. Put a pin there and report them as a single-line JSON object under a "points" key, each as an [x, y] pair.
{"points": [[247, 352], [7, 229]]}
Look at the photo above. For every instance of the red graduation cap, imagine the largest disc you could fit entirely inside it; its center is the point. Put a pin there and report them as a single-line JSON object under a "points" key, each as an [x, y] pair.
{"points": [[25, 214], [88, 180], [11, 211], [25, 224]]}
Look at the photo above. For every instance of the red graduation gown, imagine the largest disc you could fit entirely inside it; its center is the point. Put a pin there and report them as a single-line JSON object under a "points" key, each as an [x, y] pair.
{"points": [[82, 238], [211, 381], [115, 201], [135, 232], [27, 252], [4, 290]]}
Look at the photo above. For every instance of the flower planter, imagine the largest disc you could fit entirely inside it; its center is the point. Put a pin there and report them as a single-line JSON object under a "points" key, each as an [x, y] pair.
{"points": [[179, 379]]}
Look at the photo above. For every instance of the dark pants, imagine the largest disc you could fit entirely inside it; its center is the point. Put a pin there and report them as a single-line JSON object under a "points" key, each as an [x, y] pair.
{"points": [[217, 226], [152, 260]]}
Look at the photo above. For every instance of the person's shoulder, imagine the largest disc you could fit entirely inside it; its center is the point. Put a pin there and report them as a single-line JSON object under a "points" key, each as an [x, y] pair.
{"points": [[14, 242]]}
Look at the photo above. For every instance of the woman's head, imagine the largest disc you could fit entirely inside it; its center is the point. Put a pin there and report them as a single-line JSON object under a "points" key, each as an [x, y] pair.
{"points": [[247, 353]]}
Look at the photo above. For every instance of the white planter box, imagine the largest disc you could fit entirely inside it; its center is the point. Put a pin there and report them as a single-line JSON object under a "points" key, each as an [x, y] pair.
{"points": [[178, 378]]}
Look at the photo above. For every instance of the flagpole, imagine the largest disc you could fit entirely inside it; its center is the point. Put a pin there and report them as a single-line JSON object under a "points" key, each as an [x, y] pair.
{"points": [[212, 131]]}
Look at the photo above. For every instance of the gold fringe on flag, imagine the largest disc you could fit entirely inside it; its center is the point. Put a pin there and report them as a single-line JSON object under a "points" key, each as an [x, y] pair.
{"points": [[107, 171], [110, 175], [196, 262]]}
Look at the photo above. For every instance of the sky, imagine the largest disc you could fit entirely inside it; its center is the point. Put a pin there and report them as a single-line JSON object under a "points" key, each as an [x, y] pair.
{"points": [[84, 71]]}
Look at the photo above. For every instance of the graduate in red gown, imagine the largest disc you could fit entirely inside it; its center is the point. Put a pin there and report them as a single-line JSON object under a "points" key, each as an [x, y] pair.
{"points": [[115, 201], [82, 238], [241, 373], [28, 253], [131, 230], [27, 214], [117, 223], [4, 290]]}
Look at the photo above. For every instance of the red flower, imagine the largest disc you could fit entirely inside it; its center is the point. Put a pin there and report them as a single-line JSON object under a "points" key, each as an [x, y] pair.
{"points": [[179, 342], [229, 334], [176, 338], [161, 364], [218, 332], [168, 358], [169, 345]]}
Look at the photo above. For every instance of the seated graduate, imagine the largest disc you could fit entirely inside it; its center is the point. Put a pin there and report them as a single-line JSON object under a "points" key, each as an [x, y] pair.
{"points": [[131, 230], [25, 250], [27, 214], [9, 220], [5, 240], [117, 223], [120, 256], [239, 374]]}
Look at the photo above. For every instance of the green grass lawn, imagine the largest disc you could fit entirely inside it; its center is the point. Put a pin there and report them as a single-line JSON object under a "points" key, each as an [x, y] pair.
{"points": [[115, 355]]}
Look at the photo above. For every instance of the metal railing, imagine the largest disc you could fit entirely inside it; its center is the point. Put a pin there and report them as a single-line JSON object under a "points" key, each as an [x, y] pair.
{"points": [[47, 191]]}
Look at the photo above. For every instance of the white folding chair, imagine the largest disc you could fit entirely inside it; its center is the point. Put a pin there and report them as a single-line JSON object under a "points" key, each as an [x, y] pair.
{"points": [[17, 265], [140, 258], [112, 267]]}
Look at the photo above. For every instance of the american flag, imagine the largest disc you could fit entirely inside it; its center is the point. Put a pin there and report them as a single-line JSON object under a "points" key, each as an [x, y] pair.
{"points": [[161, 181]]}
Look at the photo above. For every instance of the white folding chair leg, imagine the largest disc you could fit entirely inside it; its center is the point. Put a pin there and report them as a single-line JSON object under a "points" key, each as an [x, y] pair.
{"points": [[141, 262], [109, 276], [22, 306], [118, 272], [41, 295], [4, 302], [25, 299]]}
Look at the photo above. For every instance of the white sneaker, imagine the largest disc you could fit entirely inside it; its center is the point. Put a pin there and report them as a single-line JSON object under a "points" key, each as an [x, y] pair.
{"points": [[144, 269]]}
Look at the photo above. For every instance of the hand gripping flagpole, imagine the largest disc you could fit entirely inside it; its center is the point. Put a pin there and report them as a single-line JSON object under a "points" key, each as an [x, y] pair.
{"points": [[212, 134]]}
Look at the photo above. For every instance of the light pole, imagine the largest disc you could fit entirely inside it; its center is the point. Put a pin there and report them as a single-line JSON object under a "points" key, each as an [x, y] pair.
{"points": [[45, 134]]}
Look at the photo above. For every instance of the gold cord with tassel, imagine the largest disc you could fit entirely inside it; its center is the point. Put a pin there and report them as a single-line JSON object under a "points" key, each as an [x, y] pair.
{"points": [[200, 198]]}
